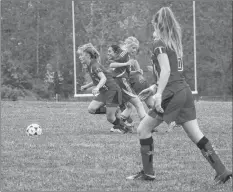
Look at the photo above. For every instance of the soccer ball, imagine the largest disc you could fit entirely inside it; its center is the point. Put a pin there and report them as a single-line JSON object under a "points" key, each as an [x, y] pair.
{"points": [[34, 129]]}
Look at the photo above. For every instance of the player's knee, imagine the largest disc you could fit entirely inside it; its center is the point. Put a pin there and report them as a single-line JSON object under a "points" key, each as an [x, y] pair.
{"points": [[143, 132], [110, 117], [91, 110]]}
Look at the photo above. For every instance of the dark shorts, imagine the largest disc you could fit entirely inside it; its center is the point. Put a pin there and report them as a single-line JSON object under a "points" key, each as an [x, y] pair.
{"points": [[110, 98], [178, 107], [127, 92], [138, 84]]}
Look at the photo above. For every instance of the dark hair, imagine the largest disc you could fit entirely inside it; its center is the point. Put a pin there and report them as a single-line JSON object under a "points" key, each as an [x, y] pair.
{"points": [[93, 54], [116, 48], [155, 21]]}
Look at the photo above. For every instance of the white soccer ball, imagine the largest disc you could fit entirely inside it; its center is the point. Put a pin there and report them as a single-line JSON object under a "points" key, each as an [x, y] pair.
{"points": [[34, 129]]}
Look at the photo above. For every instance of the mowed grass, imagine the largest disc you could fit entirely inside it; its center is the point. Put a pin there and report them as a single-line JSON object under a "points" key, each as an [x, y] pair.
{"points": [[78, 153]]}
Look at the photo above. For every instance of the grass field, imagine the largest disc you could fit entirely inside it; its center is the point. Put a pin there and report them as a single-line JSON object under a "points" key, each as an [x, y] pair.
{"points": [[78, 153]]}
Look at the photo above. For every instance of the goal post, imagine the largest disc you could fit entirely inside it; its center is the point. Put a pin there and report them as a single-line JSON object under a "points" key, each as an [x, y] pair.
{"points": [[194, 49], [74, 57], [76, 94]]}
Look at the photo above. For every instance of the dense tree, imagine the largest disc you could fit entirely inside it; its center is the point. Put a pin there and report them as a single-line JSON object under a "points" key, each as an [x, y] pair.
{"points": [[38, 32]]}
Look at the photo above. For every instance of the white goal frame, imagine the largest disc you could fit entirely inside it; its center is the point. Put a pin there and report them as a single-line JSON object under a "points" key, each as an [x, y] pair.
{"points": [[74, 54]]}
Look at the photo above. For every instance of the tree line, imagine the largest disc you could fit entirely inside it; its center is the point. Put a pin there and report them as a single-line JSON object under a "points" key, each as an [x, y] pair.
{"points": [[36, 33]]}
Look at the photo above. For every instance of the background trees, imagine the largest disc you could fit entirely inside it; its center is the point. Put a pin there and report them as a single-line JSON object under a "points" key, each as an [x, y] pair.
{"points": [[36, 32]]}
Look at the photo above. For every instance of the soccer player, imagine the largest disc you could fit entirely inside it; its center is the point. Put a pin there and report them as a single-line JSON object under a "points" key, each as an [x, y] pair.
{"points": [[173, 98], [107, 91], [137, 81], [120, 65]]}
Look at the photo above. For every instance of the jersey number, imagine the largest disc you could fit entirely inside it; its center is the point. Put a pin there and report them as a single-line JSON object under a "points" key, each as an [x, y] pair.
{"points": [[180, 64]]}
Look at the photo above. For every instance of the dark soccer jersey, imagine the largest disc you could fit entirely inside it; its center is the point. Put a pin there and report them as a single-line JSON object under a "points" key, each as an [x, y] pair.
{"points": [[94, 68], [121, 72], [176, 80]]}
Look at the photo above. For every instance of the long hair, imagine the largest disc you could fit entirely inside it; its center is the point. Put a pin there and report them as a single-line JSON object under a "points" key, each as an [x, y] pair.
{"points": [[116, 48], [168, 29], [91, 50]]}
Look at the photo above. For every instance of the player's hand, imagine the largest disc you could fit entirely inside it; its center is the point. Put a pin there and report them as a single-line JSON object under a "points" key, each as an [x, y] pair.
{"points": [[150, 68], [95, 91], [83, 88], [141, 79], [158, 101], [130, 62], [144, 94], [141, 71]]}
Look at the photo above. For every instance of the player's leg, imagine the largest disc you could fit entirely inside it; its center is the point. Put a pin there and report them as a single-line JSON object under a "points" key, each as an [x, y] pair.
{"points": [[111, 114], [127, 111], [125, 117], [207, 150], [135, 101], [119, 125], [94, 106], [126, 96], [188, 114], [171, 109], [150, 102], [112, 103], [122, 107], [125, 114], [146, 147], [138, 84]]}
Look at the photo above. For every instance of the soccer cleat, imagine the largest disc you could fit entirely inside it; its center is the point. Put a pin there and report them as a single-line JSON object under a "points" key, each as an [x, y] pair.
{"points": [[129, 129], [148, 177], [120, 128], [142, 176], [223, 178], [115, 130], [136, 176]]}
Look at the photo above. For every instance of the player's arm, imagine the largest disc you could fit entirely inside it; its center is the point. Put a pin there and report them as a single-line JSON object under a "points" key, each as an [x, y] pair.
{"points": [[116, 64], [102, 81], [84, 87], [165, 71], [137, 68]]}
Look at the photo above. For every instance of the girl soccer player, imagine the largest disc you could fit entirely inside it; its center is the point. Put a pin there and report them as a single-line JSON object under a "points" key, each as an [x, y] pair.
{"points": [[137, 81], [173, 98], [120, 64], [106, 90]]}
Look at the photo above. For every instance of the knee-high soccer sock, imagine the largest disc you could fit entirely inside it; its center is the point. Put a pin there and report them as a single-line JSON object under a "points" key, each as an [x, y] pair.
{"points": [[128, 119], [118, 122], [147, 148], [209, 153], [122, 107], [124, 118]]}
